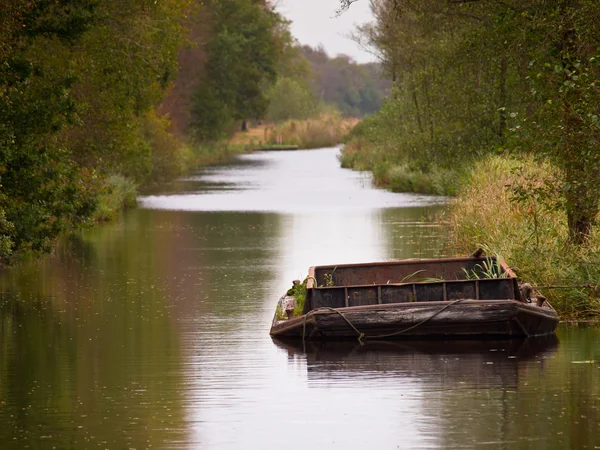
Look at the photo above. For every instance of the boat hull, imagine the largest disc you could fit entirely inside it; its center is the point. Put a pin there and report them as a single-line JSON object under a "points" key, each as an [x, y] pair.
{"points": [[463, 318]]}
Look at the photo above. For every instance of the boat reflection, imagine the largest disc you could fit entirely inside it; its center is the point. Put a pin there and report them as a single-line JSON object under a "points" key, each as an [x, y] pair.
{"points": [[475, 364]]}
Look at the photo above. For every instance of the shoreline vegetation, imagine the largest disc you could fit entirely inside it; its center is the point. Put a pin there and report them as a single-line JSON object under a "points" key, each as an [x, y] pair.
{"points": [[498, 107], [323, 130], [326, 130], [498, 203], [489, 208]]}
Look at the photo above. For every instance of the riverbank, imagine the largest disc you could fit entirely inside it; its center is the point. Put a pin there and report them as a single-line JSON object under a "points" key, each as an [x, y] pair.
{"points": [[393, 165], [492, 211], [327, 130]]}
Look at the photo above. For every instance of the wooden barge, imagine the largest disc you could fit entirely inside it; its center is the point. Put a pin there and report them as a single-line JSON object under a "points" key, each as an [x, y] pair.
{"points": [[451, 297]]}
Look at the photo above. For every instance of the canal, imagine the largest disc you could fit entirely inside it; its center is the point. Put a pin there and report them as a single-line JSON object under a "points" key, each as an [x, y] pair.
{"points": [[152, 332]]}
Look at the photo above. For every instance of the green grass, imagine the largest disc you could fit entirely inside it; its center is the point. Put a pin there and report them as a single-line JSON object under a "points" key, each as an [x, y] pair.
{"points": [[118, 194], [298, 291], [391, 171], [530, 236]]}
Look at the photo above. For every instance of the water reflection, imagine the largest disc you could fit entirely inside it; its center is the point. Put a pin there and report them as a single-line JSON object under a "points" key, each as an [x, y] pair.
{"points": [[461, 392], [438, 364], [284, 182]]}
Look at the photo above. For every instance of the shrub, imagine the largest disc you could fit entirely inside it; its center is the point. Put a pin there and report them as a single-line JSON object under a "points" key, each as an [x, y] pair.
{"points": [[118, 194]]}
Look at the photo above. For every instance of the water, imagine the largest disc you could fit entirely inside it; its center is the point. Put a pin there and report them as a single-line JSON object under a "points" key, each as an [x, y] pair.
{"points": [[153, 332]]}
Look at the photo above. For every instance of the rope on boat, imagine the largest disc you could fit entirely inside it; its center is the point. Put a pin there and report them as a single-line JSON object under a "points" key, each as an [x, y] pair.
{"points": [[362, 335], [422, 321]]}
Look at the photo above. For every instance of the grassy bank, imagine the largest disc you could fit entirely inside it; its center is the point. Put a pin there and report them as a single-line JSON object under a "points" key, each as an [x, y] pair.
{"points": [[530, 235], [393, 164]]}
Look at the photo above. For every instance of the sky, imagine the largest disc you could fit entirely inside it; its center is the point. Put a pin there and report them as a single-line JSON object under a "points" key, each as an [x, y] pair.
{"points": [[314, 23]]}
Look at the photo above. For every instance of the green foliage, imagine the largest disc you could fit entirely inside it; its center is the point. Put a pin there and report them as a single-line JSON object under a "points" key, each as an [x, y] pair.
{"points": [[298, 291], [43, 192], [365, 151], [354, 89], [242, 63], [475, 77], [170, 157], [6, 243], [328, 279], [116, 194], [76, 82], [290, 99], [489, 268], [564, 80], [124, 66]]}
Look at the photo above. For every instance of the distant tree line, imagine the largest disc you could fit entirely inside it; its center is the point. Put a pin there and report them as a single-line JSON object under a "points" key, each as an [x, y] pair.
{"points": [[355, 89]]}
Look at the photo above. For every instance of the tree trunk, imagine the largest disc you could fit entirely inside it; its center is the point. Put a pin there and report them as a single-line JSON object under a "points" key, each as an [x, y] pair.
{"points": [[579, 228], [582, 203], [414, 96], [581, 188], [503, 95]]}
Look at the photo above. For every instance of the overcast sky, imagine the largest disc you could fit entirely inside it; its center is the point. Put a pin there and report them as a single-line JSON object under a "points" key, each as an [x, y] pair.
{"points": [[314, 23]]}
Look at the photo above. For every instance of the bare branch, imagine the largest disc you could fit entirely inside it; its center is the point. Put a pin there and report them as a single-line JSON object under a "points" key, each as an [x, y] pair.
{"points": [[344, 6]]}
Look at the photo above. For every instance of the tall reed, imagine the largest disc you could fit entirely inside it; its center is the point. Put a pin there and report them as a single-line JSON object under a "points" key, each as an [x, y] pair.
{"points": [[326, 130], [530, 235]]}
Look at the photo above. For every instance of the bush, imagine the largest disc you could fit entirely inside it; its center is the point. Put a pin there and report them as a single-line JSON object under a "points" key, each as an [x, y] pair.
{"points": [[118, 194], [170, 157], [6, 243], [396, 174]]}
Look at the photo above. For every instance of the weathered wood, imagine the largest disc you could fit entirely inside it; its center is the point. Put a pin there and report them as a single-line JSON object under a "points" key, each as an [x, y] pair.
{"points": [[357, 306], [467, 318], [391, 272]]}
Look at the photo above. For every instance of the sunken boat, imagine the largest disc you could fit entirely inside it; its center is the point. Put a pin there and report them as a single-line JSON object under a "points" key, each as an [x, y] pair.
{"points": [[470, 297]]}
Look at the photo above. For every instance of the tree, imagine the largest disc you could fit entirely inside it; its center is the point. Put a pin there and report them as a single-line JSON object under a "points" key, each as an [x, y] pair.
{"points": [[124, 65], [77, 80], [563, 125], [242, 56], [291, 99], [42, 192], [355, 89]]}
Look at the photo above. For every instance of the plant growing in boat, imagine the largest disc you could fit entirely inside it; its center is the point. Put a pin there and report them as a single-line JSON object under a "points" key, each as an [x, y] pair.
{"points": [[409, 278], [328, 278], [489, 268], [298, 291]]}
